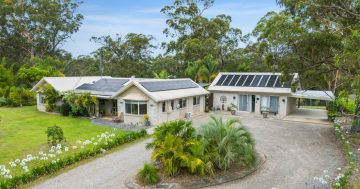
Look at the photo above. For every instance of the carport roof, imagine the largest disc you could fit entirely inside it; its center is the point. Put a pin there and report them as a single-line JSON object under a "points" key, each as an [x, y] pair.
{"points": [[312, 94]]}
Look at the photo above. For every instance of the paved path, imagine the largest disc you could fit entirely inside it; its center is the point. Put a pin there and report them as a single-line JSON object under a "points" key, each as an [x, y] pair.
{"points": [[296, 153], [108, 172]]}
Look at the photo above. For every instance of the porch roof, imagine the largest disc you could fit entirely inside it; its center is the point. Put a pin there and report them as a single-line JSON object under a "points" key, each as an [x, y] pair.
{"points": [[312, 94]]}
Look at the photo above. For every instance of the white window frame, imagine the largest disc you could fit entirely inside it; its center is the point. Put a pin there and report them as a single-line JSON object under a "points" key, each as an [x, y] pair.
{"points": [[182, 102], [196, 100], [138, 103]]}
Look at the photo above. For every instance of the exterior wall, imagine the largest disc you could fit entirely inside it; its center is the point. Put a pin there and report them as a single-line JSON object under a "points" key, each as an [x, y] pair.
{"points": [[154, 110], [285, 104], [40, 106], [291, 105]]}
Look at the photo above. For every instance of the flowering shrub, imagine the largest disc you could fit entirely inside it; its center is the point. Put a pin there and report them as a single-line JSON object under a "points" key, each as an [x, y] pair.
{"points": [[342, 179], [21, 171]]}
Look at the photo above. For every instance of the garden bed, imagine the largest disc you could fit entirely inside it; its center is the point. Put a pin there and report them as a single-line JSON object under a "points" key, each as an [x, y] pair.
{"points": [[192, 181]]}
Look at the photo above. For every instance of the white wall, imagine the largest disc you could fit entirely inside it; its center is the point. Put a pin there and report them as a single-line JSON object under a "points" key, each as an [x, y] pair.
{"points": [[41, 107], [283, 107]]}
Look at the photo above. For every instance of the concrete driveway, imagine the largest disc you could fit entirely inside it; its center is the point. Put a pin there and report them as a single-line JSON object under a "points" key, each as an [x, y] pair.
{"points": [[296, 152]]}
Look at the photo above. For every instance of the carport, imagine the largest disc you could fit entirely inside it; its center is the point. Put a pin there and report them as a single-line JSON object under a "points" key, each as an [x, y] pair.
{"points": [[310, 115]]}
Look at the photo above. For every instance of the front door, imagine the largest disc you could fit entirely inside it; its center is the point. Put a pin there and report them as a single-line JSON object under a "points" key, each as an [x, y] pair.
{"points": [[252, 103]]}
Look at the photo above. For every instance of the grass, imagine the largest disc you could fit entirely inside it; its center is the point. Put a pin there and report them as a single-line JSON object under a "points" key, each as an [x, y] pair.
{"points": [[22, 131], [314, 107]]}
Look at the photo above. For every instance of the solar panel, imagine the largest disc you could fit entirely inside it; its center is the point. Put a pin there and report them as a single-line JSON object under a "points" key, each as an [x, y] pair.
{"points": [[241, 80], [227, 80], [278, 82], [154, 86], [271, 81], [221, 80], [248, 80], [256, 80], [263, 81], [105, 85], [234, 80]]}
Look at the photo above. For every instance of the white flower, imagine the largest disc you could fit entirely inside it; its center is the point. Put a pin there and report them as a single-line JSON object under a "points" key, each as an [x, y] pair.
{"points": [[79, 141], [58, 146], [12, 164], [337, 184], [53, 161], [22, 164], [82, 146], [66, 149], [59, 152], [74, 147], [325, 171], [41, 153], [102, 150], [350, 153], [51, 155], [51, 150], [17, 161], [327, 176], [316, 178]]}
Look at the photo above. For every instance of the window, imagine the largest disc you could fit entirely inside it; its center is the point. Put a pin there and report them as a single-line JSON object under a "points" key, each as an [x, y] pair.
{"points": [[163, 106], [42, 99], [182, 103], [196, 100], [172, 105], [135, 107]]}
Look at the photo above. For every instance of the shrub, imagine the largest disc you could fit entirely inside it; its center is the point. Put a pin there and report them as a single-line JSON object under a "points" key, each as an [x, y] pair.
{"points": [[51, 97], [228, 142], [176, 147], [3, 101], [148, 174], [65, 109], [55, 135], [77, 111]]}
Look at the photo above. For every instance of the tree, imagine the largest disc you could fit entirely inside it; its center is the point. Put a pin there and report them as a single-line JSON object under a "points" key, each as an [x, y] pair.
{"points": [[162, 75], [89, 102], [51, 97], [36, 27], [125, 56], [198, 36]]}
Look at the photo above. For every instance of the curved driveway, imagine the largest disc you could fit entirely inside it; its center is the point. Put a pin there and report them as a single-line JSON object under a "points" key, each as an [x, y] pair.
{"points": [[296, 152]]}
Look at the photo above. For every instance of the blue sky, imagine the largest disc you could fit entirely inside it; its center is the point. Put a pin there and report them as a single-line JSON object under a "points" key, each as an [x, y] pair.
{"points": [[143, 16]]}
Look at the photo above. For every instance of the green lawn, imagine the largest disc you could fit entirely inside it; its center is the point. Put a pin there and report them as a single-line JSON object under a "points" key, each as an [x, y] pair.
{"points": [[22, 131]]}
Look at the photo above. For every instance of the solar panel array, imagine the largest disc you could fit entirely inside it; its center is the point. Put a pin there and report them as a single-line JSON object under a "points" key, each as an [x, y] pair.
{"points": [[154, 86], [105, 85], [249, 80]]}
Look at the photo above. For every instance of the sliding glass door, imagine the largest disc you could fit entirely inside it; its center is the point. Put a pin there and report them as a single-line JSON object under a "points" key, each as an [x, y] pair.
{"points": [[270, 103], [245, 103]]}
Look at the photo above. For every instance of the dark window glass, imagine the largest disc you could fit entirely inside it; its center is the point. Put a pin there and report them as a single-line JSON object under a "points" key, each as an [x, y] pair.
{"points": [[134, 109], [142, 109], [172, 105], [163, 107], [127, 108]]}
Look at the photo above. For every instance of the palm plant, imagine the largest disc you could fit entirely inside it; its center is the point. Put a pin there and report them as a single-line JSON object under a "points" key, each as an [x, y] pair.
{"points": [[177, 148], [228, 142], [148, 174]]}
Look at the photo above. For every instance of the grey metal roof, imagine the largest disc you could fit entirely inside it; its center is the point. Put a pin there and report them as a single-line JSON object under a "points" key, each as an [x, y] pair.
{"points": [[251, 80], [104, 86], [154, 86]]}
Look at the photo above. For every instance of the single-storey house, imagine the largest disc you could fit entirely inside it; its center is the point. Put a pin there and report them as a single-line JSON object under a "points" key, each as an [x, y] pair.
{"points": [[133, 98], [261, 92]]}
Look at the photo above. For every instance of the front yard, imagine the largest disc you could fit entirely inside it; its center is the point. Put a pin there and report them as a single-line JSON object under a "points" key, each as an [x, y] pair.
{"points": [[22, 131]]}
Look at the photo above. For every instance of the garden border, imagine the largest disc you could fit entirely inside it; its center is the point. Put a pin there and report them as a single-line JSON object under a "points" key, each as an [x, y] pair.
{"points": [[131, 183]]}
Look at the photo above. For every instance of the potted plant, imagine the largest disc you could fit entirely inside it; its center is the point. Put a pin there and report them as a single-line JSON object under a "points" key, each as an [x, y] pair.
{"points": [[233, 109], [265, 111], [146, 120]]}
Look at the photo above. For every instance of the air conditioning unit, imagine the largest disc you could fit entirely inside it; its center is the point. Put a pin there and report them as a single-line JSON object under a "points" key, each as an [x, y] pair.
{"points": [[188, 115]]}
